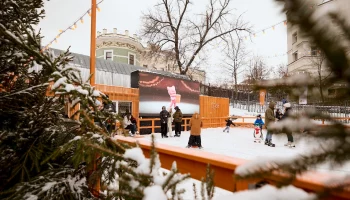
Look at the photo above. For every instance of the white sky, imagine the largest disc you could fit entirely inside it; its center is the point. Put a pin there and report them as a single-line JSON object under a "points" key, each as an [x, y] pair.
{"points": [[125, 15]]}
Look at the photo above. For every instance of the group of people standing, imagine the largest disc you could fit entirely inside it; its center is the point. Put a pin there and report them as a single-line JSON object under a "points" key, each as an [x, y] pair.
{"points": [[167, 119], [271, 117]]}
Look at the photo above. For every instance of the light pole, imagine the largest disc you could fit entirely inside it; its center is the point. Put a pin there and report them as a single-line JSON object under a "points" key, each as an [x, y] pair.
{"points": [[93, 42]]}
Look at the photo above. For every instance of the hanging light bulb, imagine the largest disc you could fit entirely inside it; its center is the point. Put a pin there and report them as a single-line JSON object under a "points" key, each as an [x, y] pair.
{"points": [[81, 20], [72, 28], [58, 36], [273, 27], [75, 26], [89, 13], [263, 31], [55, 40], [254, 34], [60, 31], [98, 9]]}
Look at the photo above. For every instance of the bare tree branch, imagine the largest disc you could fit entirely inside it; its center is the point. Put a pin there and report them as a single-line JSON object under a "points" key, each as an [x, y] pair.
{"points": [[172, 27]]}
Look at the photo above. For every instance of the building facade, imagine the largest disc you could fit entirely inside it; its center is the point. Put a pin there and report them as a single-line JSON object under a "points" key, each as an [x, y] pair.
{"points": [[305, 58], [123, 48], [301, 54]]}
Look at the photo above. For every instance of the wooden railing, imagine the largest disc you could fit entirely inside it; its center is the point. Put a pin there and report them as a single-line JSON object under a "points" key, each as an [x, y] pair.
{"points": [[195, 163], [214, 122]]}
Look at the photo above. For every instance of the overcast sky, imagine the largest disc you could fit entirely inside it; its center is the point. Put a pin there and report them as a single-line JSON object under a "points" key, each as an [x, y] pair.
{"points": [[125, 15]]}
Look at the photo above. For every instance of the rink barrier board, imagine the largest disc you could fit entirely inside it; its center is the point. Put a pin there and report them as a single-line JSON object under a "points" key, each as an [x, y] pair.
{"points": [[211, 122], [195, 162]]}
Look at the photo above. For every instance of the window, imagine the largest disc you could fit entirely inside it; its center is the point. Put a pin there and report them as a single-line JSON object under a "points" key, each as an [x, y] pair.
{"points": [[295, 56], [108, 54], [145, 66], [131, 59], [313, 51], [295, 37]]}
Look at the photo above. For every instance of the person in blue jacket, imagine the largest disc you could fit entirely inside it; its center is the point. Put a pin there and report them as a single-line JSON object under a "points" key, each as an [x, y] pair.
{"points": [[259, 122]]}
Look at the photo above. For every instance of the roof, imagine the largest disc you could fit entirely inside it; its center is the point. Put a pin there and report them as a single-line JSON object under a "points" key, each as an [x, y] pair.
{"points": [[83, 61]]}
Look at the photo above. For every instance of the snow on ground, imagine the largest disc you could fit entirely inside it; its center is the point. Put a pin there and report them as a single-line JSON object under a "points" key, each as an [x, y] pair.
{"points": [[239, 143], [240, 112]]}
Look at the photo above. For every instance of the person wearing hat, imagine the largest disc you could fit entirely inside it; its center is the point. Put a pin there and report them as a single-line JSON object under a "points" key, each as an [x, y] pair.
{"points": [[269, 119], [177, 120], [164, 115], [287, 111]]}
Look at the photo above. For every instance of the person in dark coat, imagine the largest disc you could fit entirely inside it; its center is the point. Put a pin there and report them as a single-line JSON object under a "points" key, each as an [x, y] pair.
{"points": [[269, 119], [164, 115], [286, 114], [178, 121], [196, 126], [278, 114], [109, 107], [228, 124]]}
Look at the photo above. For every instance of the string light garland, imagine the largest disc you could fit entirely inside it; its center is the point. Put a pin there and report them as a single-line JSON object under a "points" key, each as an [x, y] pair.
{"points": [[73, 26]]}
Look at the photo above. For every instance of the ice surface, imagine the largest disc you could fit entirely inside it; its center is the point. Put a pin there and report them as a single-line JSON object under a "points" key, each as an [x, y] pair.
{"points": [[239, 143]]}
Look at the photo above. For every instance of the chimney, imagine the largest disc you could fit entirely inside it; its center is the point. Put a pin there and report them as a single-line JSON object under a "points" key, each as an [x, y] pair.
{"points": [[126, 32], [114, 30], [104, 31]]}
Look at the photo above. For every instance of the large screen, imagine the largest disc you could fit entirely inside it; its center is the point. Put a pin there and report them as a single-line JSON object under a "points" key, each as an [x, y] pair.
{"points": [[156, 90]]}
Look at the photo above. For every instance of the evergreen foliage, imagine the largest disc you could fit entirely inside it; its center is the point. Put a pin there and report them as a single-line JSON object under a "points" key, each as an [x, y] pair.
{"points": [[44, 155], [329, 31]]}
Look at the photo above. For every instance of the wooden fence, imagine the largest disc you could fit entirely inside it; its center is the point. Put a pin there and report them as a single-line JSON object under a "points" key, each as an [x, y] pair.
{"points": [[216, 122], [195, 163]]}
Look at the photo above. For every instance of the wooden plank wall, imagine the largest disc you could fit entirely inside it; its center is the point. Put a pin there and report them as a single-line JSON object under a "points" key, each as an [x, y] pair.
{"points": [[214, 111], [116, 93]]}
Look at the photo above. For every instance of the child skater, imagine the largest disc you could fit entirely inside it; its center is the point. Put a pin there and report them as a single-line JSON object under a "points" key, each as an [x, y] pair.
{"points": [[258, 136], [228, 124]]}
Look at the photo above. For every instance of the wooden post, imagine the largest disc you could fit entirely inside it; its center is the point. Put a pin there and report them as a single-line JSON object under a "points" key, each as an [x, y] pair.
{"points": [[185, 129], [152, 125], [95, 187], [93, 42]]}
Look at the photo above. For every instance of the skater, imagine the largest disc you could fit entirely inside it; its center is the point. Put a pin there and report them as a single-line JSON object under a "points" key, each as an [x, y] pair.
{"points": [[177, 120], [129, 125], [287, 110], [258, 128], [164, 115], [228, 124], [269, 119], [195, 137], [170, 122], [278, 114]]}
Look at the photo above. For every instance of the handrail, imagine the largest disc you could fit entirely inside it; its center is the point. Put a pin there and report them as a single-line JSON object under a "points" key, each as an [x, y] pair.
{"points": [[208, 122], [195, 163]]}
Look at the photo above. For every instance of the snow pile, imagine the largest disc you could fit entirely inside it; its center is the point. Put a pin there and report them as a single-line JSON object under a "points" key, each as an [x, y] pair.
{"points": [[161, 182], [154, 192], [270, 193]]}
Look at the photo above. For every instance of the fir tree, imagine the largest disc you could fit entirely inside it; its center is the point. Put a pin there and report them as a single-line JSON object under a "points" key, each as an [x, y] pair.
{"points": [[46, 156], [334, 144]]}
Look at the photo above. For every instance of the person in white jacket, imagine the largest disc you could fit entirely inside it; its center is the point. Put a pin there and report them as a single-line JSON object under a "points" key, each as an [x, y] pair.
{"points": [[129, 125], [170, 121]]}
